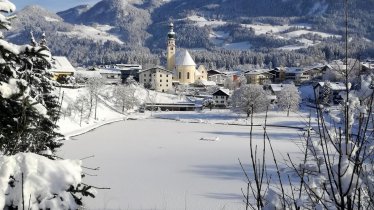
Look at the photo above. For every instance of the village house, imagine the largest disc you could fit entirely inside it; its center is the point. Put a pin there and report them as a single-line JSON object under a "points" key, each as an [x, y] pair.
{"points": [[156, 78], [297, 74], [128, 70], [61, 67], [335, 89], [368, 65], [110, 75], [217, 77], [221, 98], [259, 76]]}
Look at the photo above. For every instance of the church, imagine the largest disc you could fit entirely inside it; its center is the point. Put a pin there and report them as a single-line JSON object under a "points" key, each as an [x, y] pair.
{"points": [[182, 65]]}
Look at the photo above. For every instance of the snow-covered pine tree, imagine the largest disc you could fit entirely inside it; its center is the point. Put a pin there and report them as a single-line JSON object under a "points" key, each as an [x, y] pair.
{"points": [[28, 112], [28, 107], [326, 93]]}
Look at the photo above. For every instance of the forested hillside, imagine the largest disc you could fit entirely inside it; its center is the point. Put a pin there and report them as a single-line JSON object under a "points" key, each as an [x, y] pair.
{"points": [[221, 33]]}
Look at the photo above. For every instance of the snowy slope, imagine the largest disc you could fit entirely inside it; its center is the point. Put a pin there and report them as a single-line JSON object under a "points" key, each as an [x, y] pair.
{"points": [[99, 33]]}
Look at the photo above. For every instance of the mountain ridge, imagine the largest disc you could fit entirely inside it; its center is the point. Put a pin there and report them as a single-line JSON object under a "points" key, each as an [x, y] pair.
{"points": [[118, 30]]}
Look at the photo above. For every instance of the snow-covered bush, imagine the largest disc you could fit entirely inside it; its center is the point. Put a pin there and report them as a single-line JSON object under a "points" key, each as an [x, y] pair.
{"points": [[125, 98], [30, 181], [250, 99], [289, 98], [336, 171]]}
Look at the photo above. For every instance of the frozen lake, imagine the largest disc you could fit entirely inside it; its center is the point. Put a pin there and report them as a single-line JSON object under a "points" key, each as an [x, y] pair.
{"points": [[163, 164]]}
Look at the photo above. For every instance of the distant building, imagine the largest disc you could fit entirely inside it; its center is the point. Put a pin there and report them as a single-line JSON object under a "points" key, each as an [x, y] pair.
{"points": [[217, 77], [259, 76], [181, 63], [128, 70], [368, 65], [112, 76], [335, 90], [61, 67], [221, 98], [157, 78]]}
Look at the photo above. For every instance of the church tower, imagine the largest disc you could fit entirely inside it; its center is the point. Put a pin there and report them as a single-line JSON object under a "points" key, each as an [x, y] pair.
{"points": [[171, 48]]}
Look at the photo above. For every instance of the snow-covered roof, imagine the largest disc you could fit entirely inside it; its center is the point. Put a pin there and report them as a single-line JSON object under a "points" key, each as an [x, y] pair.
{"points": [[184, 59], [258, 71], [334, 85], [278, 87], [225, 91], [295, 70], [61, 64], [208, 83], [109, 71], [88, 74], [368, 65], [153, 69]]}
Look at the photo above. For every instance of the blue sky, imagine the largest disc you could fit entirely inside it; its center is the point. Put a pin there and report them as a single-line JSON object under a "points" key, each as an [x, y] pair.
{"points": [[53, 5]]}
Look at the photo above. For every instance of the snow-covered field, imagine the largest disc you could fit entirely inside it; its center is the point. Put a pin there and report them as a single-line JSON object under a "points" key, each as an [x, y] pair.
{"points": [[219, 38], [187, 163], [99, 33]]}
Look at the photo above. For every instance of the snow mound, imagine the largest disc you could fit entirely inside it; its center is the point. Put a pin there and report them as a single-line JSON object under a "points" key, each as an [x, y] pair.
{"points": [[209, 139], [45, 182]]}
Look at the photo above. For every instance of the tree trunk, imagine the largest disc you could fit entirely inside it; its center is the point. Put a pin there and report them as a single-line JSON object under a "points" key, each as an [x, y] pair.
{"points": [[95, 107], [80, 123]]}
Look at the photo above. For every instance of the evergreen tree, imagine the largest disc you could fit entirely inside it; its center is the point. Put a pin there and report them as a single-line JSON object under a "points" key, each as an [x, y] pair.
{"points": [[28, 106]]}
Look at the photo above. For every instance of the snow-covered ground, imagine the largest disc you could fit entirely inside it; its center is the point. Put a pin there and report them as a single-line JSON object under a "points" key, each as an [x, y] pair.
{"points": [[99, 33], [219, 38], [171, 160], [70, 125]]}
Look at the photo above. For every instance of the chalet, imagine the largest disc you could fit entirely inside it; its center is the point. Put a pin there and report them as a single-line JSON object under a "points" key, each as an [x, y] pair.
{"points": [[275, 89], [156, 78], [334, 88], [259, 76], [82, 75], [61, 67], [335, 70], [221, 97], [297, 74], [217, 77], [278, 74], [128, 70], [110, 75], [368, 65]]}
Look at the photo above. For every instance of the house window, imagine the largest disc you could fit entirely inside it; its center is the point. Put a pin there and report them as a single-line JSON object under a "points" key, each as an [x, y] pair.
{"points": [[160, 80], [160, 75], [167, 80], [160, 85], [222, 97], [188, 75], [180, 75], [145, 75], [150, 75], [150, 80], [167, 85], [145, 80]]}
